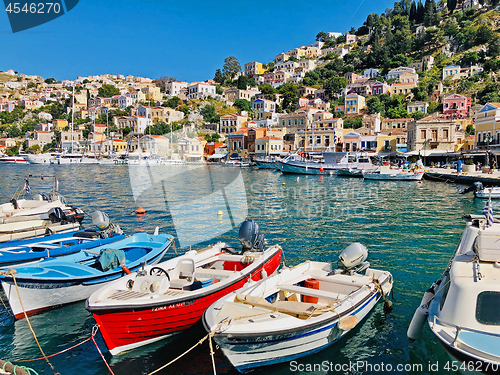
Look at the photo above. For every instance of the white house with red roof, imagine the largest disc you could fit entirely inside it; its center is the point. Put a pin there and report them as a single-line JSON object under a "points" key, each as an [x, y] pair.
{"points": [[268, 145]]}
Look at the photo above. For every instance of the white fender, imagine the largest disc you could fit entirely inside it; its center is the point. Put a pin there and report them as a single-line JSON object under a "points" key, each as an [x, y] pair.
{"points": [[417, 323]]}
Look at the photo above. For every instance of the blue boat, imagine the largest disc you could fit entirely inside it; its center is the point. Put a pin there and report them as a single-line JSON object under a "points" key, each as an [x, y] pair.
{"points": [[34, 250], [72, 278]]}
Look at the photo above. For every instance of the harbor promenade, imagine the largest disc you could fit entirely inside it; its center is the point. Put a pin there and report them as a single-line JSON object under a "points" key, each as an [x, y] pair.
{"points": [[466, 178]]}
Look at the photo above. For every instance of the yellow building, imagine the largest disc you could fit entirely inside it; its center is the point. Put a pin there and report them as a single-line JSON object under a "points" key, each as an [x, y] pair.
{"points": [[402, 88], [59, 124], [488, 125], [254, 68], [386, 143], [119, 145], [138, 96], [354, 103], [268, 145]]}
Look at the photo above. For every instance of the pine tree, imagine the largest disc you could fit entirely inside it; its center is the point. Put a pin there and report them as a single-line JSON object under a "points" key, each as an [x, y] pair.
{"points": [[413, 12], [420, 13], [451, 5]]}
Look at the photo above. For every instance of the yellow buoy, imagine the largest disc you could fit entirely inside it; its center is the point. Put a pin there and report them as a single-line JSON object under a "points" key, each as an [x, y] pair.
{"points": [[220, 213], [284, 184]]}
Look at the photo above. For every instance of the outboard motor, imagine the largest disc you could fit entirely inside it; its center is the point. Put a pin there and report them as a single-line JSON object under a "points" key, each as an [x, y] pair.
{"points": [[250, 236], [100, 220], [475, 187], [56, 215], [353, 258]]}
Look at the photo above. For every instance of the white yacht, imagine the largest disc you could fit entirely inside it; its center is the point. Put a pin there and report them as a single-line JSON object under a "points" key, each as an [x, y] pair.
{"points": [[462, 307]]}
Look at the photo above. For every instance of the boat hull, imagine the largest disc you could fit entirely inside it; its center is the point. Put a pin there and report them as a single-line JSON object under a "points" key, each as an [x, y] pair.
{"points": [[131, 327], [246, 353], [35, 294], [306, 168], [487, 192], [394, 177]]}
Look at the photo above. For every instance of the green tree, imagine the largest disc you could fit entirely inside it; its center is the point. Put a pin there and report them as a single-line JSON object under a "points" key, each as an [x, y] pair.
{"points": [[209, 114], [50, 81], [419, 93], [494, 47], [374, 105], [451, 28], [242, 83], [219, 90], [290, 94], [173, 102], [268, 91], [451, 5], [231, 66], [470, 130], [321, 36], [243, 104], [334, 85], [219, 77], [107, 91]]}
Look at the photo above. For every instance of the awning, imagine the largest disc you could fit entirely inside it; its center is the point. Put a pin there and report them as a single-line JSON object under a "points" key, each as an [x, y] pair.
{"points": [[217, 156]]}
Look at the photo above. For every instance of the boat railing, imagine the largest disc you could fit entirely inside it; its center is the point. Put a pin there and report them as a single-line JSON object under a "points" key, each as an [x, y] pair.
{"points": [[459, 329]]}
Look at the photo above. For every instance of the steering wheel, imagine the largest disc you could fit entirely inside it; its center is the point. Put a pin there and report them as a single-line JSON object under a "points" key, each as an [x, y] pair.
{"points": [[158, 271]]}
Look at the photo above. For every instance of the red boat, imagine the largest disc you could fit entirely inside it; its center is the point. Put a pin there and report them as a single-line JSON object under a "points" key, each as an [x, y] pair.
{"points": [[160, 300]]}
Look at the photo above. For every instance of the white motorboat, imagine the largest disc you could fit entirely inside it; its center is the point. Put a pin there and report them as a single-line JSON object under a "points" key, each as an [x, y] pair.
{"points": [[41, 158], [73, 158], [236, 163], [482, 192], [268, 163], [462, 307], [18, 159], [332, 162], [386, 173], [297, 312]]}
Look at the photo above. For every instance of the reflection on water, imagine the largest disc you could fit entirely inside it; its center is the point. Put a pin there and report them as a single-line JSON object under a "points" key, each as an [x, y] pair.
{"points": [[410, 229]]}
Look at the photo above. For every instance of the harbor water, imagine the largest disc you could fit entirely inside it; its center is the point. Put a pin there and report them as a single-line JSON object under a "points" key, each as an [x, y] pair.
{"points": [[410, 229]]}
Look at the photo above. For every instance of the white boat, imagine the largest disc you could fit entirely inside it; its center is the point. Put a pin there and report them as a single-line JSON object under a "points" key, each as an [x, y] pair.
{"points": [[236, 163], [482, 192], [18, 159], [297, 312], [268, 163], [332, 162], [462, 307], [41, 158], [386, 173], [73, 158]]}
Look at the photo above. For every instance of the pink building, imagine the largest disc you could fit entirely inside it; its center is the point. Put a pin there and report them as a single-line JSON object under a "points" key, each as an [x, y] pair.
{"points": [[456, 106]]}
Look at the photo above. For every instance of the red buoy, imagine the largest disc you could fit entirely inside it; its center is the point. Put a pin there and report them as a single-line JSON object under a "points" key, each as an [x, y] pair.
{"points": [[140, 211]]}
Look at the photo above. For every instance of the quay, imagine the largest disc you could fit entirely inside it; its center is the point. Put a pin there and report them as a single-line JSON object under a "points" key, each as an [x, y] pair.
{"points": [[451, 176]]}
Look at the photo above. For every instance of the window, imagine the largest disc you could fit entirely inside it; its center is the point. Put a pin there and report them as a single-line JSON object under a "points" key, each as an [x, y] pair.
{"points": [[423, 134], [487, 308], [318, 139], [445, 133], [239, 144]]}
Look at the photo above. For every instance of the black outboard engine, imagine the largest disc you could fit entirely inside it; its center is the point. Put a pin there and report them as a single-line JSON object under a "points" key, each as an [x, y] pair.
{"points": [[250, 236], [56, 215], [475, 187]]}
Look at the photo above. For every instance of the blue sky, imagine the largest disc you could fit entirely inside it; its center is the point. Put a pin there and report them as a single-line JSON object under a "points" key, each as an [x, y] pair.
{"points": [[184, 39]]}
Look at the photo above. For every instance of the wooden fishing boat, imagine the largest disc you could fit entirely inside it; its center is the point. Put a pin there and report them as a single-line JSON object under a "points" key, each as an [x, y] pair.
{"points": [[71, 278], [387, 174], [297, 312], [52, 247], [160, 300]]}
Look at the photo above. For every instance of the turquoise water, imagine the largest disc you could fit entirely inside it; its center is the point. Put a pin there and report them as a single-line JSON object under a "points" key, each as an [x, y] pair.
{"points": [[410, 230]]}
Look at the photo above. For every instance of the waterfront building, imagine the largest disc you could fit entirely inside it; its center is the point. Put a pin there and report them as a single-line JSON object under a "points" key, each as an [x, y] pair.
{"points": [[321, 135], [434, 134], [237, 143], [487, 124], [268, 145], [372, 122]]}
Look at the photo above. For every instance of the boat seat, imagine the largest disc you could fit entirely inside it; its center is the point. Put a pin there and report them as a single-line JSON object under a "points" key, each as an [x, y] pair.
{"points": [[213, 273], [309, 292], [182, 275]]}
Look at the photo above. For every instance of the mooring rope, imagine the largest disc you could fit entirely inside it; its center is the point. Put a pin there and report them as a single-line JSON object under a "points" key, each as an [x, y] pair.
{"points": [[27, 369], [29, 324], [94, 331], [5, 306]]}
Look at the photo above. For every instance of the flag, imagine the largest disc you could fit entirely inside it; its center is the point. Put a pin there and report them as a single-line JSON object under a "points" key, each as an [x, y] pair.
{"points": [[27, 187], [488, 212], [334, 138]]}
